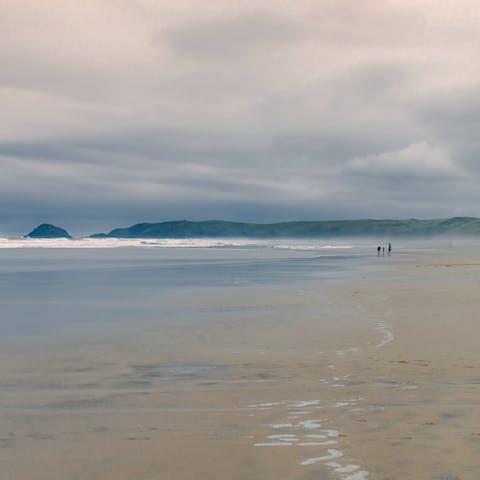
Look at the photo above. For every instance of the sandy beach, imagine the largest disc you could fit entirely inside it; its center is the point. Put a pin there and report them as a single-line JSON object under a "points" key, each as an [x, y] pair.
{"points": [[377, 378]]}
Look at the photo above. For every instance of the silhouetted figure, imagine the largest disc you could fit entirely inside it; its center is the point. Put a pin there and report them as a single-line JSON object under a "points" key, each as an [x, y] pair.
{"points": [[389, 248], [378, 250], [383, 251]]}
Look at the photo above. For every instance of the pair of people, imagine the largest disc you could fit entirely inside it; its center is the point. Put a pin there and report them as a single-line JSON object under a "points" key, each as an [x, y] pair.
{"points": [[382, 249]]}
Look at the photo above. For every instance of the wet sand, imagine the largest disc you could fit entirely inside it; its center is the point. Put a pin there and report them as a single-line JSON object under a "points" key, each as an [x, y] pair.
{"points": [[375, 379]]}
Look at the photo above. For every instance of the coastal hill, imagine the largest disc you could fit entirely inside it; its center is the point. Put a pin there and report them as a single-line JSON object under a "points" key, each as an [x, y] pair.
{"points": [[46, 230], [310, 229]]}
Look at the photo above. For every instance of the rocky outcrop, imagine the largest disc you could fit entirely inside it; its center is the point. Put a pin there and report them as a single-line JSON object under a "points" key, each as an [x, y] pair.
{"points": [[46, 230]]}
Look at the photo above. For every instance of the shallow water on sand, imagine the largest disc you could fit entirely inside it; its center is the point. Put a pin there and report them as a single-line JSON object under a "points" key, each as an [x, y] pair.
{"points": [[45, 290]]}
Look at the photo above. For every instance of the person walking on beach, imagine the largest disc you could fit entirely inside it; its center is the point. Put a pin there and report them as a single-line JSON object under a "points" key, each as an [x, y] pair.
{"points": [[389, 248], [379, 248]]}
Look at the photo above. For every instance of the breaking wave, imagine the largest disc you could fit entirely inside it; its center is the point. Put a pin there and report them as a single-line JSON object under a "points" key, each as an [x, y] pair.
{"points": [[170, 243]]}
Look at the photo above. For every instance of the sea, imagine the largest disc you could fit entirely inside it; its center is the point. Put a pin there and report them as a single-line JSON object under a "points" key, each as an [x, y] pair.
{"points": [[50, 288]]}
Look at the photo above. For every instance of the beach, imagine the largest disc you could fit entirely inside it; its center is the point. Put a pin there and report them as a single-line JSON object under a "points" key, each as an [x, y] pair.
{"points": [[374, 377]]}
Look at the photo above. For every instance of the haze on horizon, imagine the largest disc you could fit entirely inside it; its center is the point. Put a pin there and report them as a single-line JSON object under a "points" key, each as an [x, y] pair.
{"points": [[116, 112]]}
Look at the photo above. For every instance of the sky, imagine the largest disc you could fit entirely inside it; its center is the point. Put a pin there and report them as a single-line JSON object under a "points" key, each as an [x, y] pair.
{"points": [[115, 112]]}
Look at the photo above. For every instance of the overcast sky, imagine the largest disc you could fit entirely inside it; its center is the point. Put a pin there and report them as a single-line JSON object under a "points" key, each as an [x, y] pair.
{"points": [[115, 112]]}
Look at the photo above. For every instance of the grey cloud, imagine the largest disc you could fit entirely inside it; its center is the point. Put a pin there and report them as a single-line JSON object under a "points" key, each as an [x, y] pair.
{"points": [[452, 118], [374, 82], [453, 108], [228, 38], [301, 110], [363, 22], [419, 160]]}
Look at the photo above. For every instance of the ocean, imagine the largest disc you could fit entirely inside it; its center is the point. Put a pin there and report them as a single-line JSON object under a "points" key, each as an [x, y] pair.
{"points": [[48, 287]]}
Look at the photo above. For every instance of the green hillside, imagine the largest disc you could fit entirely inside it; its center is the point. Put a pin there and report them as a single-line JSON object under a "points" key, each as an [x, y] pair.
{"points": [[326, 229]]}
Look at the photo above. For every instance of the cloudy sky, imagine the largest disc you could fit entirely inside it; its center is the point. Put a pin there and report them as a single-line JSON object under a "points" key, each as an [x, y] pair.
{"points": [[115, 112]]}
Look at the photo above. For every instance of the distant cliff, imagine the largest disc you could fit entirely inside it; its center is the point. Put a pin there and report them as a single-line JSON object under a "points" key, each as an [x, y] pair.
{"points": [[319, 229], [45, 230]]}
